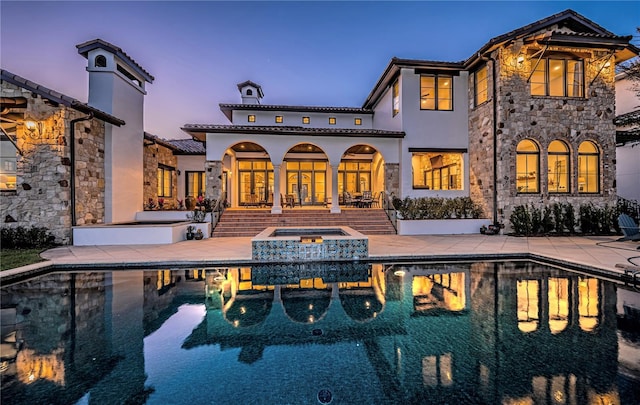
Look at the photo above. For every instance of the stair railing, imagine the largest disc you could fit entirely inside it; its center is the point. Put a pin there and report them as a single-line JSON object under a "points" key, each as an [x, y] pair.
{"points": [[217, 210], [389, 209]]}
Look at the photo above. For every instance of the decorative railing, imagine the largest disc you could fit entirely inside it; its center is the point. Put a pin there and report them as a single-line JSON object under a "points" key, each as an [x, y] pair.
{"points": [[389, 209], [217, 210]]}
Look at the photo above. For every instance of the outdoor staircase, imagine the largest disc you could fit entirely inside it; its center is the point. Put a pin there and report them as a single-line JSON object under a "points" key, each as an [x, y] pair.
{"points": [[250, 222]]}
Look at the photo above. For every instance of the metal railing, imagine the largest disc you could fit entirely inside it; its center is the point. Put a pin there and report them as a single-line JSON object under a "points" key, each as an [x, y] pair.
{"points": [[389, 209], [217, 210]]}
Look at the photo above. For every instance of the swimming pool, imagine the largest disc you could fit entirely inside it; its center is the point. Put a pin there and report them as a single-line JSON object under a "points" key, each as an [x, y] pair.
{"points": [[355, 333]]}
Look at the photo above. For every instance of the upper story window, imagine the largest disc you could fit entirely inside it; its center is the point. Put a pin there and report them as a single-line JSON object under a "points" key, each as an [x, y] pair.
{"points": [[588, 168], [306, 120], [558, 78], [558, 167], [251, 118], [436, 92], [332, 120], [357, 121], [527, 167], [481, 93], [396, 98], [249, 92], [279, 119]]}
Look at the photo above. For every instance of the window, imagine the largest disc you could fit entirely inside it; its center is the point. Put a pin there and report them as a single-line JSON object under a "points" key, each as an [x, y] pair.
{"points": [[588, 168], [435, 92], [332, 120], [101, 61], [480, 86], [249, 92], [357, 121], [196, 184], [396, 98], [437, 170], [165, 181], [279, 119], [8, 159], [306, 120], [558, 162], [527, 167], [558, 78], [251, 118]]}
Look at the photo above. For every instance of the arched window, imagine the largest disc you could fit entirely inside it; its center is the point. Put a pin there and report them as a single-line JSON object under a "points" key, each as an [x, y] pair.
{"points": [[558, 162], [527, 167], [588, 168], [249, 92], [101, 61]]}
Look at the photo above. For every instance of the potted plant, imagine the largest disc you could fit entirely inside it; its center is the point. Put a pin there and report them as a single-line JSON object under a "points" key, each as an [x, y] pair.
{"points": [[160, 203], [199, 235], [190, 232]]}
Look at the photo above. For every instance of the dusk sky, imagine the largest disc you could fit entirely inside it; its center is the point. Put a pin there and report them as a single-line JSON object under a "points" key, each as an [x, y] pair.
{"points": [[301, 52]]}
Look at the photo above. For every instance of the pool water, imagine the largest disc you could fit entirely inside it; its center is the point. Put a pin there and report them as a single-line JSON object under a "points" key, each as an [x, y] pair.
{"points": [[397, 333]]}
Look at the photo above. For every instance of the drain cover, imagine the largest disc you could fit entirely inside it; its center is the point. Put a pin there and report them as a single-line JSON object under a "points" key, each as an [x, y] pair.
{"points": [[325, 397], [316, 332]]}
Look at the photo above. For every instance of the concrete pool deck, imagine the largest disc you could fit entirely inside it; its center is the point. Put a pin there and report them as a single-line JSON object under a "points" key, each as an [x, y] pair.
{"points": [[600, 253]]}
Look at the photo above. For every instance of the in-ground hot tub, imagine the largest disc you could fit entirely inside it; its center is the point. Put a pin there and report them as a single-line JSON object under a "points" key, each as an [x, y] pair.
{"points": [[312, 243]]}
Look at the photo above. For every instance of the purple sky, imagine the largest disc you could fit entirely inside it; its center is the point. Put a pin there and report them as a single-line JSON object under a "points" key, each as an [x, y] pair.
{"points": [[301, 53]]}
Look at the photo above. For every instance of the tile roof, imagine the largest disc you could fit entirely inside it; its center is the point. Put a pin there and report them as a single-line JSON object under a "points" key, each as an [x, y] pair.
{"points": [[623, 137], [188, 146], [632, 117], [250, 83], [228, 108], [178, 146], [85, 47], [59, 98], [290, 130]]}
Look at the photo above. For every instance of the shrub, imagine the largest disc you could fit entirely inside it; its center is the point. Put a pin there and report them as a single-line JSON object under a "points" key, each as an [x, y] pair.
{"points": [[548, 223], [521, 220], [569, 217], [26, 238], [436, 208]]}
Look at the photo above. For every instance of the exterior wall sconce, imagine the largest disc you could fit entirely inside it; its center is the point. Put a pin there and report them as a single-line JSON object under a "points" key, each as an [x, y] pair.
{"points": [[34, 129], [520, 60], [606, 65]]}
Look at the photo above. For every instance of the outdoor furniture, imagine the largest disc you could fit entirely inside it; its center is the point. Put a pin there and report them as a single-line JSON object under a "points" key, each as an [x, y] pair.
{"points": [[629, 228], [347, 199], [366, 200]]}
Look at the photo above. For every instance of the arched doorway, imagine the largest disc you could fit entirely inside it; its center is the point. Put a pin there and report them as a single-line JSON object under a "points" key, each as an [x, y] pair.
{"points": [[255, 174], [306, 175]]}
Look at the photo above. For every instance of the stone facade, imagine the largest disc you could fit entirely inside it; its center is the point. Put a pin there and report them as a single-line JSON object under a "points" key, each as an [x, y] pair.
{"points": [[157, 154], [543, 119], [43, 188]]}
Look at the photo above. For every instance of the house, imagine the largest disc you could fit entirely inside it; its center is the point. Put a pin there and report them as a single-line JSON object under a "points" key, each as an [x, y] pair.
{"points": [[527, 119]]}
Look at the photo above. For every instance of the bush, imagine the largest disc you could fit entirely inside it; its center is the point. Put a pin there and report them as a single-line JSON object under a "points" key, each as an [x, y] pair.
{"points": [[436, 208], [26, 238]]}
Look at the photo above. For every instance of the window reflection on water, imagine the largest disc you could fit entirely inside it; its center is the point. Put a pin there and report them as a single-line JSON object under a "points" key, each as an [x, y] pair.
{"points": [[509, 333]]}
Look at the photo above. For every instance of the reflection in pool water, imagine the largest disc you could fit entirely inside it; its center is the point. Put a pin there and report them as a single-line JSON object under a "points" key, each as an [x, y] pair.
{"points": [[358, 333]]}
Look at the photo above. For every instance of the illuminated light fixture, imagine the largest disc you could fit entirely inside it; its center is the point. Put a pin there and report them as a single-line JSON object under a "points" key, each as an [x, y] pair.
{"points": [[520, 59], [399, 273], [34, 129], [607, 64]]}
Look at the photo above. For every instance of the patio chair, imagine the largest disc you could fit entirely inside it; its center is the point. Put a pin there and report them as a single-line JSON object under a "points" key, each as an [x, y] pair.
{"points": [[366, 200], [347, 200], [629, 228]]}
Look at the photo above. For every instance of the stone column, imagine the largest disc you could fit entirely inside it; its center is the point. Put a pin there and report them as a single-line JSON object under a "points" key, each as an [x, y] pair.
{"points": [[392, 179], [276, 208], [335, 198], [213, 169]]}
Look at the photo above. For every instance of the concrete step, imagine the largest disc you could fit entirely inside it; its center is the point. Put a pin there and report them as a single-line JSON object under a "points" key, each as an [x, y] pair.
{"points": [[250, 222]]}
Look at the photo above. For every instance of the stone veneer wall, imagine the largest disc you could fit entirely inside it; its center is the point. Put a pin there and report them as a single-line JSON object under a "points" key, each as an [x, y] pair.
{"points": [[213, 169], [392, 179], [543, 119], [42, 196], [154, 155]]}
